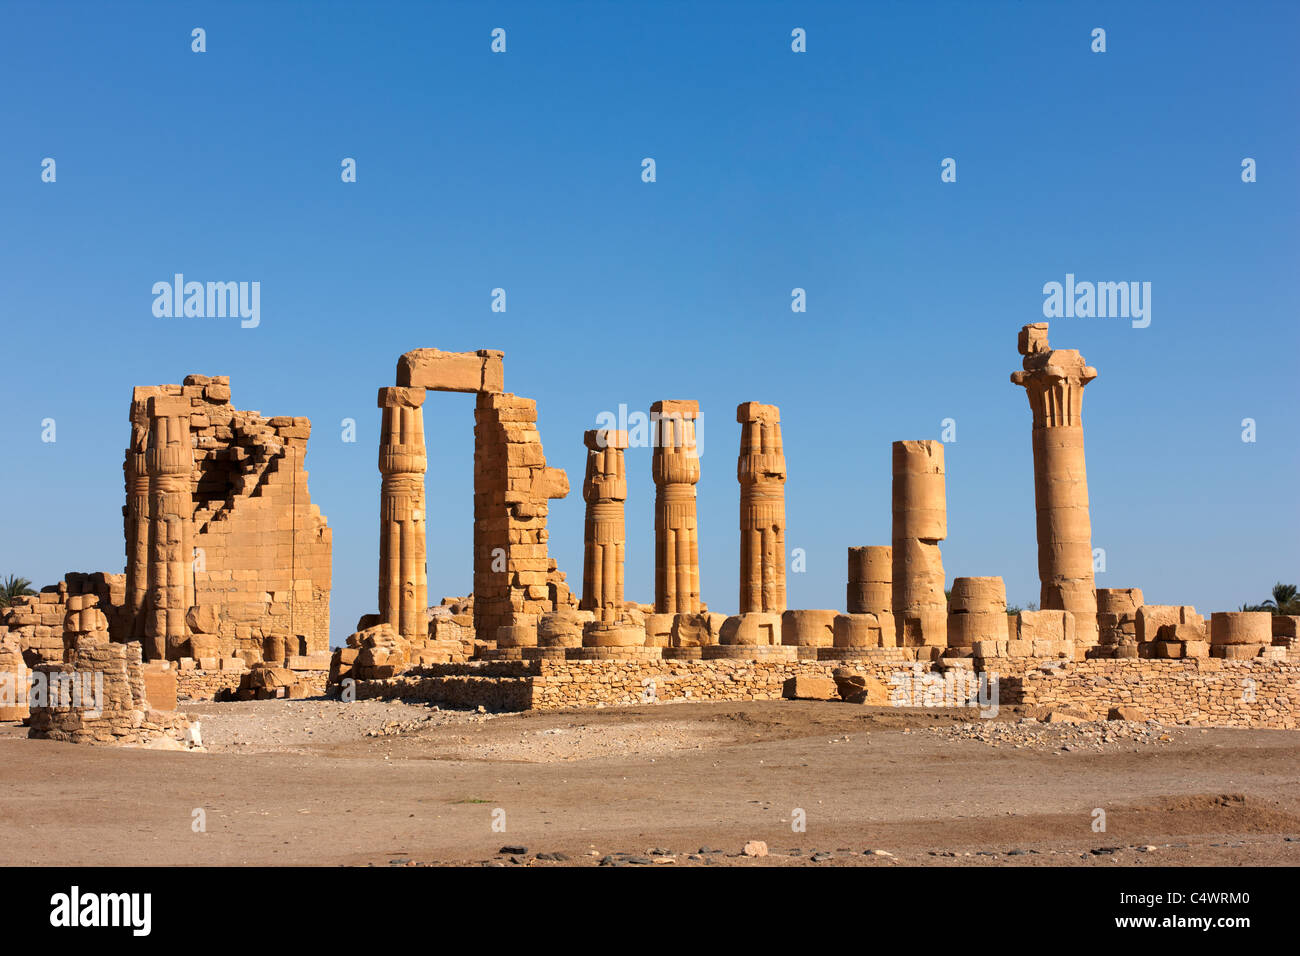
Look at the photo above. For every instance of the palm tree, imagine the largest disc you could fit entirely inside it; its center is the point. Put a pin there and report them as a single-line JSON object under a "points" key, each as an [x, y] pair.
{"points": [[13, 587], [1283, 600]]}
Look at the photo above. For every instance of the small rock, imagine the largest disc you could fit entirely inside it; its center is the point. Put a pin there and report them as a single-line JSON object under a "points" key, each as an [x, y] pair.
{"points": [[755, 848]]}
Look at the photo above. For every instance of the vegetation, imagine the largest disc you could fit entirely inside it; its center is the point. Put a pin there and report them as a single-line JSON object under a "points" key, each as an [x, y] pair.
{"points": [[14, 587], [1285, 600]]}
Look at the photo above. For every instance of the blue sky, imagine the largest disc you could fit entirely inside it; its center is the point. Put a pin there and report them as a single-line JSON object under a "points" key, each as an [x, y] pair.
{"points": [[775, 170]]}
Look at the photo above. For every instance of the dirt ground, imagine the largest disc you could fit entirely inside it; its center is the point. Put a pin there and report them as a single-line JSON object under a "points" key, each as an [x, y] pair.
{"points": [[390, 784]]}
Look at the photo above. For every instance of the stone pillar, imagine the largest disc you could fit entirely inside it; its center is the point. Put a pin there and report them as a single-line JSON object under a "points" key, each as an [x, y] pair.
{"points": [[403, 576], [761, 472], [1054, 381], [920, 514], [676, 468], [977, 611], [605, 490], [871, 587], [169, 463], [136, 519]]}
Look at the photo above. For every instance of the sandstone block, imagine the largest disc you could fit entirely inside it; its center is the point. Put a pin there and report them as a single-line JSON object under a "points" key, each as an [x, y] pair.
{"points": [[809, 688]]}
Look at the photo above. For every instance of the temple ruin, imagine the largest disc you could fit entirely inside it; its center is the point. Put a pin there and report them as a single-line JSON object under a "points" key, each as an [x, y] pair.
{"points": [[227, 578]]}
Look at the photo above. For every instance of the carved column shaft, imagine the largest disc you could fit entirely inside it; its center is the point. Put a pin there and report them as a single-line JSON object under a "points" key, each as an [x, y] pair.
{"points": [[136, 519], [760, 469], [676, 469], [169, 462], [403, 573], [605, 490]]}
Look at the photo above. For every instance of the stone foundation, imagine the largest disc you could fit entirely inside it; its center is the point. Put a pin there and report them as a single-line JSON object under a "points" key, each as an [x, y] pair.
{"points": [[1203, 692]]}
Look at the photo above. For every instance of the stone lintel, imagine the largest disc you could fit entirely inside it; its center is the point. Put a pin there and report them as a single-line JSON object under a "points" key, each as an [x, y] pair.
{"points": [[440, 371]]}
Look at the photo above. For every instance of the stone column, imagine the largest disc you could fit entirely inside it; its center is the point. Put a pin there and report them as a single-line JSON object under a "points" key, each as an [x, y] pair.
{"points": [[1054, 381], [871, 586], [403, 575], [920, 514], [605, 490], [761, 472], [676, 468], [977, 611], [136, 519], [169, 463]]}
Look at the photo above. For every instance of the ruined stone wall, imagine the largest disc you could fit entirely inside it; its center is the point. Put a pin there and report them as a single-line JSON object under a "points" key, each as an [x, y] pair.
{"points": [[262, 549], [513, 572], [1204, 692], [119, 711], [1196, 691], [35, 621]]}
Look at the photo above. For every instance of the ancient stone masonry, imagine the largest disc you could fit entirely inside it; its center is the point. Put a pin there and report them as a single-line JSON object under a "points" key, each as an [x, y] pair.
{"points": [[1054, 380], [604, 537], [1205, 692], [676, 469], [977, 611], [136, 515], [99, 696], [871, 588], [262, 550], [169, 581], [403, 584], [920, 522], [223, 545], [761, 472], [604, 541]]}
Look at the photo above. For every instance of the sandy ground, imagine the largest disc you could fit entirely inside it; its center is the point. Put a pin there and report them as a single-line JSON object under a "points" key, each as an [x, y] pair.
{"points": [[321, 782]]}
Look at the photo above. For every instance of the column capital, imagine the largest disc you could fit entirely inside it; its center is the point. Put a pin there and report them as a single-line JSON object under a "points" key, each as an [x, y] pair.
{"points": [[1052, 378]]}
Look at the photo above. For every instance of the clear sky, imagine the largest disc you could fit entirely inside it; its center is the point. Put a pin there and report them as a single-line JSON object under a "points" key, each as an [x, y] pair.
{"points": [[775, 170]]}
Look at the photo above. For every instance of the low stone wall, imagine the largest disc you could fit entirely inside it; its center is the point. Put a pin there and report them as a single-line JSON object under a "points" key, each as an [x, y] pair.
{"points": [[564, 684], [1203, 691], [1198, 692]]}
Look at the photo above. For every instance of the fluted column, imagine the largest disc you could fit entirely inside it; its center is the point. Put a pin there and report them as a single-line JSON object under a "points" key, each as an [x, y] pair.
{"points": [[1054, 381], [169, 462], [760, 469], [604, 488], [676, 468], [403, 575], [920, 522]]}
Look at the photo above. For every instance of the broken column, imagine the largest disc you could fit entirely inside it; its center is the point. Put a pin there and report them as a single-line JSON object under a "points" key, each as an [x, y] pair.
{"points": [[761, 472], [169, 462], [675, 466], [605, 490], [870, 588], [977, 612], [1054, 381], [920, 522], [403, 581]]}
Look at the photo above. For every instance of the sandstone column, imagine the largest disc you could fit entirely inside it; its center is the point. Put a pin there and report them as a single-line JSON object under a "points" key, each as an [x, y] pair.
{"points": [[871, 586], [169, 463], [676, 468], [920, 515], [605, 490], [1054, 381], [977, 612], [403, 581], [761, 472], [136, 514]]}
